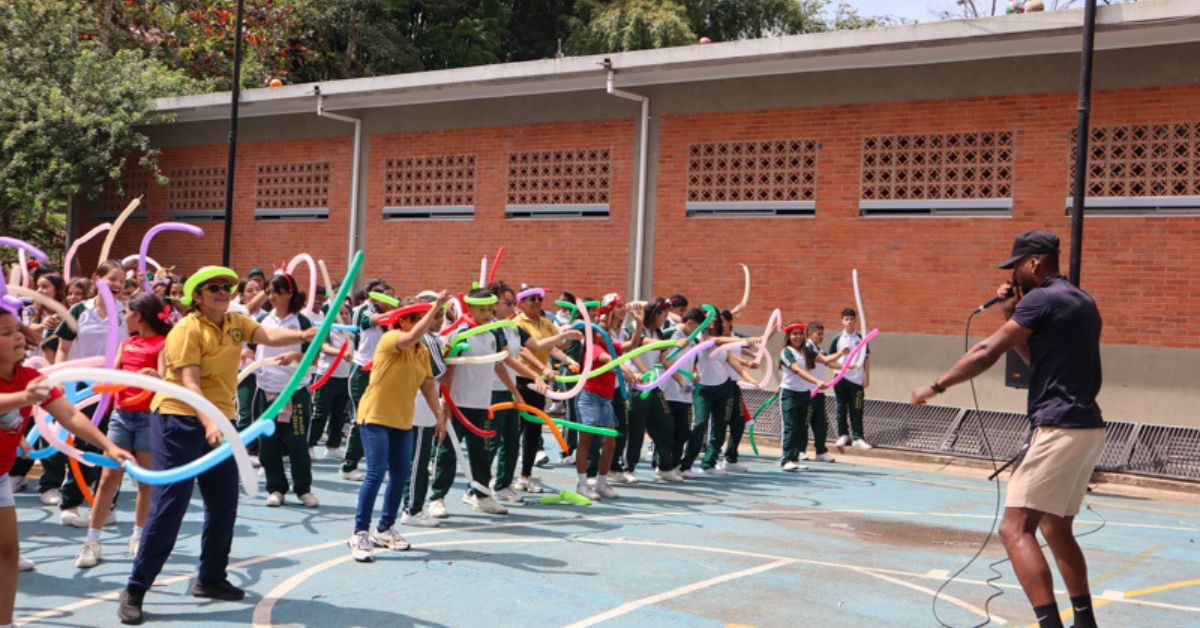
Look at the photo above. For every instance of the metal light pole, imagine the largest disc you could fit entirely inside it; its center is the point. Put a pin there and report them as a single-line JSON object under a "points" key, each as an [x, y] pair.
{"points": [[233, 129], [1081, 139]]}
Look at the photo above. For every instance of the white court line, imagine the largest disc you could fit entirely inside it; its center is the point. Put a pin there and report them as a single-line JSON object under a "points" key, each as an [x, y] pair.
{"points": [[949, 598], [629, 607]]}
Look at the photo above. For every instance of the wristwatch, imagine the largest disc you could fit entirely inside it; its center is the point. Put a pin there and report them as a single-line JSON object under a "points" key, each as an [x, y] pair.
{"points": [[937, 388]]}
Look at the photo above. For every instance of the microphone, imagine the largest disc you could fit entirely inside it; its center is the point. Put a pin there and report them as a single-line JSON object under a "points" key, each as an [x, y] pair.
{"points": [[994, 300]]}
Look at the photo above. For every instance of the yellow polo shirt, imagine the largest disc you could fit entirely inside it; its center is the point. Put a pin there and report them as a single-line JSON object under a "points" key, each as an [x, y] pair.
{"points": [[217, 350], [396, 378], [541, 329]]}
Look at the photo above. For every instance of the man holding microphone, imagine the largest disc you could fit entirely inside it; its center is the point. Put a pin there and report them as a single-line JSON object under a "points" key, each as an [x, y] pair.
{"points": [[1055, 327]]}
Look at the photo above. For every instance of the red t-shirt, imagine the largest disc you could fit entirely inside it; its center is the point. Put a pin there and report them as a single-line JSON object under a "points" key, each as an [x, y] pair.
{"points": [[138, 353], [11, 438], [605, 384]]}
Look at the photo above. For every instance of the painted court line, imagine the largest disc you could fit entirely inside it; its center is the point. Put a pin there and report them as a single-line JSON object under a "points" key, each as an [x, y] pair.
{"points": [[949, 598]]}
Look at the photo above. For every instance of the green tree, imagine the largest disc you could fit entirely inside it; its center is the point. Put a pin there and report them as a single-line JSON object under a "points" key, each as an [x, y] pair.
{"points": [[620, 25], [354, 38], [730, 20], [68, 110], [459, 33]]}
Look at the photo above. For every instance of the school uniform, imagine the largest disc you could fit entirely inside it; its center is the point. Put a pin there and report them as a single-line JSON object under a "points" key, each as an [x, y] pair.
{"points": [[650, 414], [505, 447], [364, 352], [331, 402], [799, 407], [291, 425], [679, 402], [424, 424], [849, 391], [471, 392], [713, 405]]}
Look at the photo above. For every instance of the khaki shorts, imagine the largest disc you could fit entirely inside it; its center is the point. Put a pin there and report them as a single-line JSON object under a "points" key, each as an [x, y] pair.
{"points": [[1054, 475]]}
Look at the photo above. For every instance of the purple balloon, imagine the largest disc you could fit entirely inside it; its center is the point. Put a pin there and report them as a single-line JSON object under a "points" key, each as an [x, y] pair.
{"points": [[155, 230], [687, 355], [110, 344], [27, 247]]}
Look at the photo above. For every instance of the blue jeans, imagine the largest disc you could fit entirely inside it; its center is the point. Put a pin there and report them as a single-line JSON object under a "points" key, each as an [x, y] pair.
{"points": [[388, 450]]}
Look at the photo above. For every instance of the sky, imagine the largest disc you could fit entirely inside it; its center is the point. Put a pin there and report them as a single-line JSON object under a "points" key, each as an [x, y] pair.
{"points": [[921, 10]]}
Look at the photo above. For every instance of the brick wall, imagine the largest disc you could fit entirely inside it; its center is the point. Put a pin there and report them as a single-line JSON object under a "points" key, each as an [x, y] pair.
{"points": [[923, 275]]}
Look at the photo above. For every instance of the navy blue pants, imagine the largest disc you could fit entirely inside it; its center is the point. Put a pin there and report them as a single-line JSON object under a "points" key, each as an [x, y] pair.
{"points": [[177, 440]]}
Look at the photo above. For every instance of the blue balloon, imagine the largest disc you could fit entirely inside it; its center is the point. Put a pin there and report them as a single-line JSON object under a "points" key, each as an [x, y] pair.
{"points": [[612, 351]]}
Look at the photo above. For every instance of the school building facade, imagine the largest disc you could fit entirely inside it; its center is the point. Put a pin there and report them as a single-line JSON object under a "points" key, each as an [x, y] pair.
{"points": [[913, 154]]}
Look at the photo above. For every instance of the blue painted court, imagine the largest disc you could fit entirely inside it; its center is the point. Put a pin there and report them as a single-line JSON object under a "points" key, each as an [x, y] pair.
{"points": [[844, 544]]}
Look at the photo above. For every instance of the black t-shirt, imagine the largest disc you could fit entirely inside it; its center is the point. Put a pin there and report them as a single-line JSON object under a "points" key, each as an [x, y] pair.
{"points": [[1065, 354]]}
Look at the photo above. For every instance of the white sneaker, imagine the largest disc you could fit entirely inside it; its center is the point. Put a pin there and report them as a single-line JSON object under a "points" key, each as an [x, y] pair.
{"points": [[804, 457], [312, 452], [507, 495], [568, 459], [585, 489], [630, 478], [734, 467], [51, 497], [715, 471], [135, 543], [111, 520], [437, 508], [275, 500], [16, 483], [70, 517], [24, 564], [361, 547], [489, 505], [825, 457], [689, 474], [605, 491], [309, 500], [334, 453], [862, 444], [668, 476], [354, 475], [254, 462], [843, 440], [89, 555], [419, 520], [791, 466], [534, 485], [541, 459], [390, 539]]}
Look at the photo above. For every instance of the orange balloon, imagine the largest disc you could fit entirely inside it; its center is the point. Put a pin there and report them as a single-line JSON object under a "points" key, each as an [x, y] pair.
{"points": [[275, 83]]}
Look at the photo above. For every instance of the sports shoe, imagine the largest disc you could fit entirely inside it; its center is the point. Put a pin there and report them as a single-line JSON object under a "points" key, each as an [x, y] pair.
{"points": [[129, 607], [489, 505], [70, 517], [354, 475], [89, 555], [51, 497], [312, 452], [275, 499], [714, 471], [825, 457], [135, 543], [862, 444], [507, 495], [734, 467], [419, 520], [804, 457], [437, 508], [334, 453], [222, 590], [541, 459], [792, 466], [361, 547], [111, 519], [534, 485], [630, 478], [390, 539], [668, 476], [842, 440], [16, 483], [254, 461], [567, 459], [309, 500], [605, 491], [24, 564], [689, 474], [585, 489]]}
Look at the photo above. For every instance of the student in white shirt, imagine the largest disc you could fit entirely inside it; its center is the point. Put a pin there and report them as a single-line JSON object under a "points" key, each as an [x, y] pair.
{"points": [[802, 363], [851, 390]]}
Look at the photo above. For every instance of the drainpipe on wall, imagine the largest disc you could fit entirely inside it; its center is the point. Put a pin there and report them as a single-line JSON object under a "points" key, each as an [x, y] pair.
{"points": [[640, 232], [351, 243]]}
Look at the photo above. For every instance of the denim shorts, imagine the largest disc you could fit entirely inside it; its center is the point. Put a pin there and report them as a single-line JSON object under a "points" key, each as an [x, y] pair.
{"points": [[131, 430], [595, 410]]}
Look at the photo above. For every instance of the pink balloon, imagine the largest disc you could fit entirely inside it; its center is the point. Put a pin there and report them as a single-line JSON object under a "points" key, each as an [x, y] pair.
{"points": [[847, 361], [687, 355], [588, 356], [110, 343], [312, 277], [155, 230]]}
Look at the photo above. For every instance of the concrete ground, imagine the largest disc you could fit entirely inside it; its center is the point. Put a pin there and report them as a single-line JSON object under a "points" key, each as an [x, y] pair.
{"points": [[863, 541]]}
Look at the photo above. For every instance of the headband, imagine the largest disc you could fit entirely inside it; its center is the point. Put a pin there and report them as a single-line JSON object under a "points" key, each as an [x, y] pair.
{"points": [[204, 274], [525, 294]]}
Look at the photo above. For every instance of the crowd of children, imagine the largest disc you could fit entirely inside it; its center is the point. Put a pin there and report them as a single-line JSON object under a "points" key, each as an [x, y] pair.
{"points": [[395, 391]]}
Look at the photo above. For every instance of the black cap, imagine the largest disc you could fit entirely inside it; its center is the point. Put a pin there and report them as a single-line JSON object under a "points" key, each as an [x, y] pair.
{"points": [[1031, 243]]}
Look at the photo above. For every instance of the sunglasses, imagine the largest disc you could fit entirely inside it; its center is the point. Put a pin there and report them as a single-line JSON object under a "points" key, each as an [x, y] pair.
{"points": [[535, 298], [217, 288]]}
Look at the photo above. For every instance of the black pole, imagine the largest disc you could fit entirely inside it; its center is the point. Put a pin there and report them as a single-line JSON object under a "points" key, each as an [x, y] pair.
{"points": [[1081, 139], [233, 129]]}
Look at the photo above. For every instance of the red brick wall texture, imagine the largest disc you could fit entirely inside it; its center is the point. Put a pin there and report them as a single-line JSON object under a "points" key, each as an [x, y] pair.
{"points": [[918, 274]]}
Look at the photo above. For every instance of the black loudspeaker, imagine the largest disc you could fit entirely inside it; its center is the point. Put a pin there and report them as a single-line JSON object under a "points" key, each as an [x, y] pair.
{"points": [[1016, 371]]}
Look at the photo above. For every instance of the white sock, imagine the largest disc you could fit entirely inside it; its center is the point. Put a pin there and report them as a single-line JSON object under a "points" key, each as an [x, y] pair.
{"points": [[92, 535], [602, 480], [137, 530], [582, 478]]}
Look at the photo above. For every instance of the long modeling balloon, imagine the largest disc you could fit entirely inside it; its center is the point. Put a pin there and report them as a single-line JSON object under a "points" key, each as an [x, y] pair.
{"points": [[111, 342], [77, 473], [490, 358], [474, 429], [862, 317], [495, 263], [133, 258], [155, 230], [385, 299], [708, 319], [846, 362], [97, 230], [23, 262], [612, 352], [254, 366], [325, 278], [351, 329], [202, 406], [312, 277], [538, 417], [745, 291], [332, 367], [687, 355], [22, 245], [112, 233], [462, 463], [589, 354], [479, 329], [51, 304], [654, 346], [483, 268]]}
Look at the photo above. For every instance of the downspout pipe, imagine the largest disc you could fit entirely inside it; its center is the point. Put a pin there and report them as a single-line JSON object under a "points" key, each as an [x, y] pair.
{"points": [[643, 135], [351, 240]]}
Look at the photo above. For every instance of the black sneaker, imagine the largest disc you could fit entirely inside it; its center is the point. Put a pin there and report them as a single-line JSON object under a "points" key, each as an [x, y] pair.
{"points": [[218, 591], [129, 607]]}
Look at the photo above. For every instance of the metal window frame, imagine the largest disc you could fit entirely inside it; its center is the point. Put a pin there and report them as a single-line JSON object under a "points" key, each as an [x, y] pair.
{"points": [[292, 214], [750, 209], [937, 208], [559, 211], [429, 212], [1135, 206], [196, 215]]}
